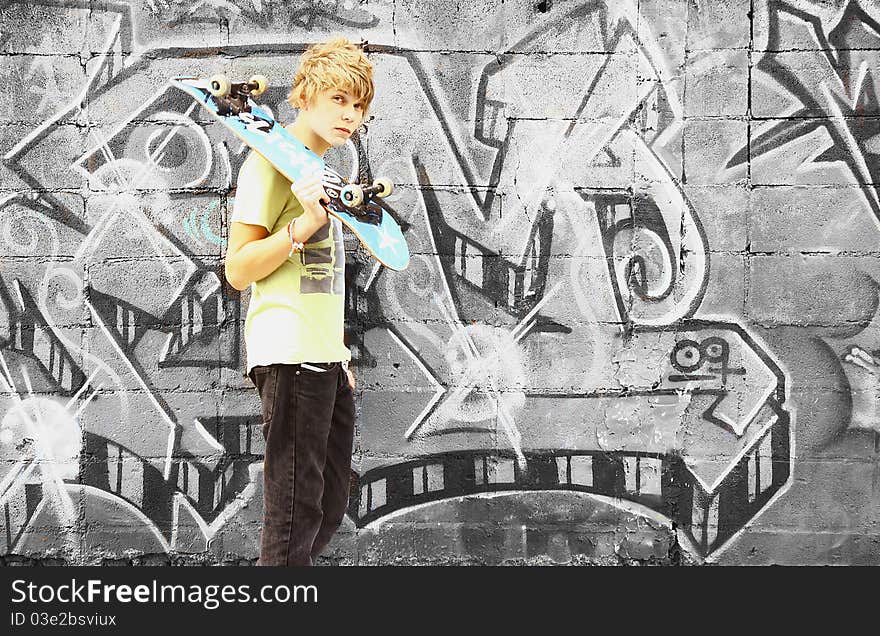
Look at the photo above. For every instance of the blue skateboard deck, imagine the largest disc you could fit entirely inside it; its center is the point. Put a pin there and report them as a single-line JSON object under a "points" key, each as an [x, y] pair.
{"points": [[371, 221]]}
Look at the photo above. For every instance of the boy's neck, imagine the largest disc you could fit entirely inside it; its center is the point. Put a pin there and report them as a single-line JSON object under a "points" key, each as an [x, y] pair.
{"points": [[311, 140]]}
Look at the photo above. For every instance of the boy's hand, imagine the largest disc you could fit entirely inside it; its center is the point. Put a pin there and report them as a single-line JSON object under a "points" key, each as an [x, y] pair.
{"points": [[309, 191], [350, 378]]}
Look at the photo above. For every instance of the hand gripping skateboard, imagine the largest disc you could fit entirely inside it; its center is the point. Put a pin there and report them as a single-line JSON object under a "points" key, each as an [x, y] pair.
{"points": [[358, 206]]}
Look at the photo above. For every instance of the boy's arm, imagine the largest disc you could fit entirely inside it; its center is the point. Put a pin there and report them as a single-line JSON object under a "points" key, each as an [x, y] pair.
{"points": [[252, 253]]}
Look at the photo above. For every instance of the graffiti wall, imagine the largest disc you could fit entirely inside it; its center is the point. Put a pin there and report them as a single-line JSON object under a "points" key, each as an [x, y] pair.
{"points": [[640, 322]]}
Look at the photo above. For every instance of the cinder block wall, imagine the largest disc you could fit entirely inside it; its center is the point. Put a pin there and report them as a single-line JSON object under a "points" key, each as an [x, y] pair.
{"points": [[639, 324]]}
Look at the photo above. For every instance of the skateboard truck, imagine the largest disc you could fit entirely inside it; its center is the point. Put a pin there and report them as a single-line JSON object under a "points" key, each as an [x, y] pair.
{"points": [[352, 195], [232, 97]]}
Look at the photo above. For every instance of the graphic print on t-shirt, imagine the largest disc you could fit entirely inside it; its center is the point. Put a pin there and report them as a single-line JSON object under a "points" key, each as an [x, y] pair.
{"points": [[323, 270]]}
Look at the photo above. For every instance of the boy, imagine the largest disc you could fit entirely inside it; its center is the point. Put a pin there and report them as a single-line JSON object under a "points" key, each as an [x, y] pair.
{"points": [[283, 244]]}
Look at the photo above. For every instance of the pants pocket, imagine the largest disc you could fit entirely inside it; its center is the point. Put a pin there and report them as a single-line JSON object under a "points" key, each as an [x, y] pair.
{"points": [[266, 381]]}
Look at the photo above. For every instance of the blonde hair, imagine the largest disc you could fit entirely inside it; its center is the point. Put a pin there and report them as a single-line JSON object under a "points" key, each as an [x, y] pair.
{"points": [[336, 63]]}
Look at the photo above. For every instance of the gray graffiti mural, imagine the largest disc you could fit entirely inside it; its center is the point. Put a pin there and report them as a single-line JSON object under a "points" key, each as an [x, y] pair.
{"points": [[634, 326]]}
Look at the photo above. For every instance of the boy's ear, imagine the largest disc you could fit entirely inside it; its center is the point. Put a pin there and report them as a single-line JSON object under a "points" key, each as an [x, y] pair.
{"points": [[299, 102], [297, 98]]}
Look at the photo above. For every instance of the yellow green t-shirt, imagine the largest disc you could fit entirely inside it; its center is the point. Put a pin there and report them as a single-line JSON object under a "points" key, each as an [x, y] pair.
{"points": [[296, 314]]}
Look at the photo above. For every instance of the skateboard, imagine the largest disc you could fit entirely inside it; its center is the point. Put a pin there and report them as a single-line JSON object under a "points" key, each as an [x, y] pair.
{"points": [[358, 206]]}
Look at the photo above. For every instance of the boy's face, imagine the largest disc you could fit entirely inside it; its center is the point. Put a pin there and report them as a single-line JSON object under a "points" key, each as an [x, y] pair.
{"points": [[334, 115]]}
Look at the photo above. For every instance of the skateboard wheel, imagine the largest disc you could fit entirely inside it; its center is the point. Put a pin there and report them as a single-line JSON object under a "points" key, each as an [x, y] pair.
{"points": [[219, 85], [261, 85], [352, 195], [385, 187]]}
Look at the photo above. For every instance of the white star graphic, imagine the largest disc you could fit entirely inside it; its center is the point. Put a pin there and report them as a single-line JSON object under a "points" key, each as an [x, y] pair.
{"points": [[386, 240]]}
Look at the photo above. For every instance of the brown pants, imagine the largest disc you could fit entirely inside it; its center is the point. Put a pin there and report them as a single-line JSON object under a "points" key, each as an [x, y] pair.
{"points": [[308, 425]]}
